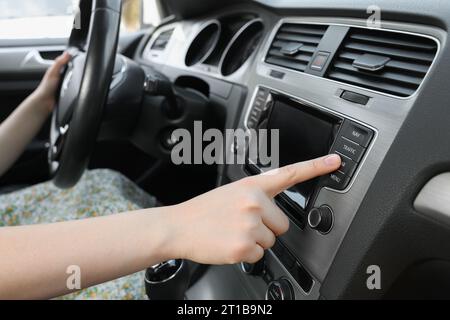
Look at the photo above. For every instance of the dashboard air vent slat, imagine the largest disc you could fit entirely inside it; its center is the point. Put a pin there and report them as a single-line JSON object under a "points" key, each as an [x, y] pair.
{"points": [[395, 42], [306, 36], [400, 65], [298, 38], [392, 52], [371, 84], [394, 76], [409, 59], [162, 40], [299, 65], [299, 57], [299, 29], [280, 44]]}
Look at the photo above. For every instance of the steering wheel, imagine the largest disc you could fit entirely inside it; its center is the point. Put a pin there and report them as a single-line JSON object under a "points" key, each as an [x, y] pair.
{"points": [[84, 90]]}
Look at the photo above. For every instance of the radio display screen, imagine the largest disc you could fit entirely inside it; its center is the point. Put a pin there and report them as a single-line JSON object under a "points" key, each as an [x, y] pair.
{"points": [[304, 134]]}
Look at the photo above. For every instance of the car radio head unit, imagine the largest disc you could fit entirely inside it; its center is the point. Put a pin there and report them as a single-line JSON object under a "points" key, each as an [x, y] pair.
{"points": [[304, 134], [307, 132]]}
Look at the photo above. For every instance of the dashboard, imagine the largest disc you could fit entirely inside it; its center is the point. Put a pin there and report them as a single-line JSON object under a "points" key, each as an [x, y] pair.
{"points": [[256, 59]]}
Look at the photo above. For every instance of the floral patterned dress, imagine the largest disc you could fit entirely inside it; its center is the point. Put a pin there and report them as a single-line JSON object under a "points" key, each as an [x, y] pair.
{"points": [[99, 193]]}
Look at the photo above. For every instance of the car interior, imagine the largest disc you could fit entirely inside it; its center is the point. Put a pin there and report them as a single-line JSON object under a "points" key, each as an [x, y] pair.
{"points": [[330, 75]]}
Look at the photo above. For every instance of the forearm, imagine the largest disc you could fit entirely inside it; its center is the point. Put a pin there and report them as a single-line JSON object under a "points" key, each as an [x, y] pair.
{"points": [[19, 129], [34, 259], [231, 224]]}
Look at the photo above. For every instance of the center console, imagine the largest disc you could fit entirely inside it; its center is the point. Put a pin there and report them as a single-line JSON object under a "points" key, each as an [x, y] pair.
{"points": [[307, 132], [316, 116]]}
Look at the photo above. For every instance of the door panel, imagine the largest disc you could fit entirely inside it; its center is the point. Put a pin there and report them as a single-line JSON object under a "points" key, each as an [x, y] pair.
{"points": [[21, 69]]}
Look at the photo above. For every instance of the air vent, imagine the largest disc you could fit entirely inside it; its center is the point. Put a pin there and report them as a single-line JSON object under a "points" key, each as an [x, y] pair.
{"points": [[241, 47], [295, 44], [389, 62], [230, 25], [204, 43], [162, 41]]}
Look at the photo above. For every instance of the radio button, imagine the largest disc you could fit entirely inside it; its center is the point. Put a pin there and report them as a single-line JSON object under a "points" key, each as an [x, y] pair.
{"points": [[355, 97], [349, 149], [259, 104], [357, 133], [255, 115], [251, 124], [263, 93], [337, 180], [348, 167]]}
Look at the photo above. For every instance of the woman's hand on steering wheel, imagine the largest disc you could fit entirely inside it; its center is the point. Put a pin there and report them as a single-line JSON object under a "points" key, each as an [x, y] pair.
{"points": [[45, 94]]}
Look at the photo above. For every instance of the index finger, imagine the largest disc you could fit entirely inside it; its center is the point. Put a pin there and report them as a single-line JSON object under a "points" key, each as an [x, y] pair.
{"points": [[276, 181]]}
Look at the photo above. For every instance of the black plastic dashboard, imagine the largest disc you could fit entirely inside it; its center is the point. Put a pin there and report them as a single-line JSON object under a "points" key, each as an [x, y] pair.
{"points": [[324, 55]]}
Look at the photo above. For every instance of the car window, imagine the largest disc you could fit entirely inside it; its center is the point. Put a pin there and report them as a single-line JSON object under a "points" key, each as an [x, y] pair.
{"points": [[138, 14], [34, 19], [39, 19]]}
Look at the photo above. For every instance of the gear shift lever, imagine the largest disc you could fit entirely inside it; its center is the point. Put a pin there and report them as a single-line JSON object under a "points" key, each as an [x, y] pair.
{"points": [[167, 281]]}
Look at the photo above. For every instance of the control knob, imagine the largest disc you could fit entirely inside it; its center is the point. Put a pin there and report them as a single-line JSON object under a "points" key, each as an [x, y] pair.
{"points": [[321, 219], [280, 290]]}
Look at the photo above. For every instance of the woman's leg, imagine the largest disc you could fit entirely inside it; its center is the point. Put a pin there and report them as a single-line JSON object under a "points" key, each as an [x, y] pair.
{"points": [[99, 193]]}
